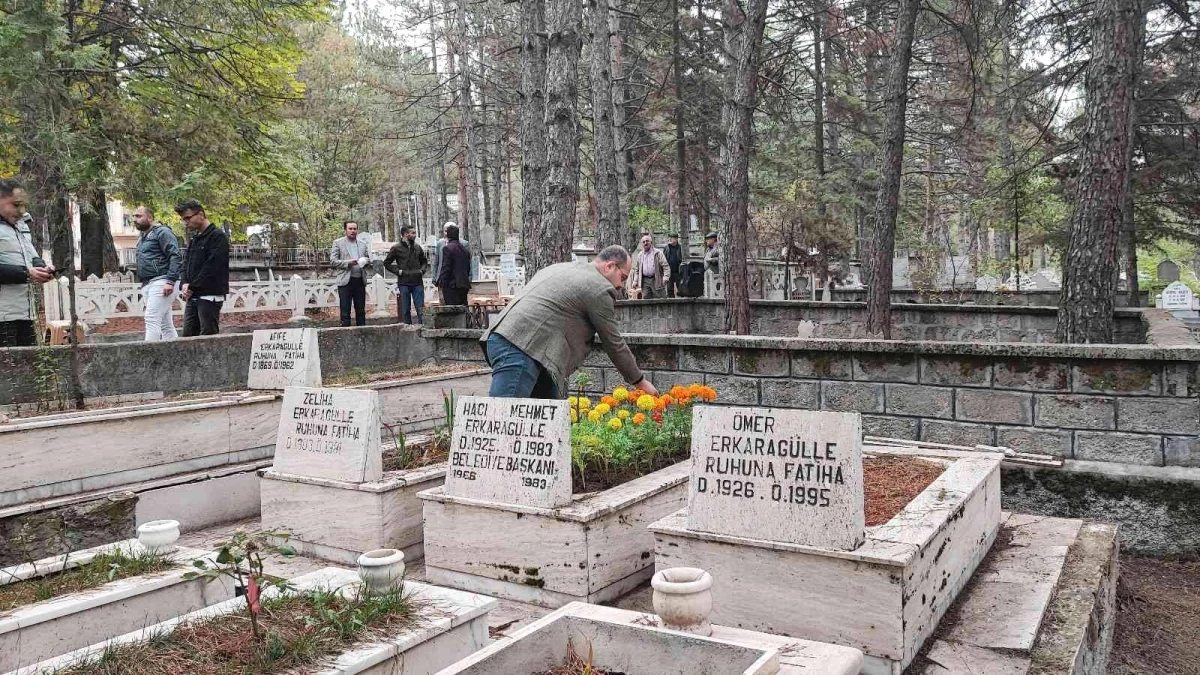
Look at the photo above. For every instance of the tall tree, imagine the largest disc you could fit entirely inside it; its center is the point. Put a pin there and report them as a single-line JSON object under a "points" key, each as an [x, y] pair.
{"points": [[1102, 187], [470, 221], [533, 126], [608, 202], [557, 228], [743, 43], [887, 203]]}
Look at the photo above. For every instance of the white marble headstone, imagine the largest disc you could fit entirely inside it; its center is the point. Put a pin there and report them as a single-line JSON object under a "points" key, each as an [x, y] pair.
{"points": [[1177, 296], [508, 264], [792, 476], [330, 433], [511, 450], [285, 358]]}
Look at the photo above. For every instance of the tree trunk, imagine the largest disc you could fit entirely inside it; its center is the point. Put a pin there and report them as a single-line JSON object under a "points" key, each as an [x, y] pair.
{"points": [[621, 26], [887, 202], [1133, 292], [563, 21], [1085, 307], [682, 203], [743, 41], [441, 210], [471, 222], [608, 198], [533, 125]]}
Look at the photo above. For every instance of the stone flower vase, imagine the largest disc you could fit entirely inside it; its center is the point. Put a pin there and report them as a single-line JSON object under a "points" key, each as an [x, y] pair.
{"points": [[682, 599], [382, 569], [158, 536]]}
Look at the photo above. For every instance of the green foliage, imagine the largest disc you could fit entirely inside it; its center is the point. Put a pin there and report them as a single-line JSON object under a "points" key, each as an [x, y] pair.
{"points": [[1165, 249], [101, 569], [241, 560], [648, 218]]}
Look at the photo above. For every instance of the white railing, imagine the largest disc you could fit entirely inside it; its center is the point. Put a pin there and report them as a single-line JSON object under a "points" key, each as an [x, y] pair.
{"points": [[120, 296]]}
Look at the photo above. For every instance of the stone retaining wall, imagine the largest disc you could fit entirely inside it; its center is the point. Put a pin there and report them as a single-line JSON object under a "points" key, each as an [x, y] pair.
{"points": [[210, 363], [959, 296], [1132, 404], [847, 320]]}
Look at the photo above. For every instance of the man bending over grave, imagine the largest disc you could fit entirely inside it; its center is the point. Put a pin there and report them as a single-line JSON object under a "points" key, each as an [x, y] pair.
{"points": [[546, 331]]}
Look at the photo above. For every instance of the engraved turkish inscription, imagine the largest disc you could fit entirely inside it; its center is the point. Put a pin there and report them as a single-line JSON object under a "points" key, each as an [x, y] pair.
{"points": [[330, 433], [792, 476], [511, 450]]}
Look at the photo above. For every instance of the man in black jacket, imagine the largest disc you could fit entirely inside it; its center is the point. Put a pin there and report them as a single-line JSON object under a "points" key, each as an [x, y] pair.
{"points": [[205, 274], [454, 277], [674, 253], [407, 261]]}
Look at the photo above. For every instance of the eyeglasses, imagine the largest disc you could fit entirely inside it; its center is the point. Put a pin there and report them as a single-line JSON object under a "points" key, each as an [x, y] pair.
{"points": [[188, 217]]}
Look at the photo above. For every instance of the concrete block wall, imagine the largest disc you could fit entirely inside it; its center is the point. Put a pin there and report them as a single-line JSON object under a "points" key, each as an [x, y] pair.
{"points": [[847, 320], [210, 363], [1134, 405]]}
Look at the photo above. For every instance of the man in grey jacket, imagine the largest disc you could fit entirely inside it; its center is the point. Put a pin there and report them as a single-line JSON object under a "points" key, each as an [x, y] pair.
{"points": [[350, 254], [20, 268], [158, 262], [546, 331]]}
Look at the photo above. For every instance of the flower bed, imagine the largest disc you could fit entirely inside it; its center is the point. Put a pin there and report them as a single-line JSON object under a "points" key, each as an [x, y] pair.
{"points": [[85, 605], [320, 623]]}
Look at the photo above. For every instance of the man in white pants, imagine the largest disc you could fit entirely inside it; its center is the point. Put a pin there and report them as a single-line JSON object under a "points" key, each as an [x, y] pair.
{"points": [[158, 262]]}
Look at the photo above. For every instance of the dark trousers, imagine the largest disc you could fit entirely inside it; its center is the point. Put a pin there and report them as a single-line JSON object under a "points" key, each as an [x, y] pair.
{"points": [[17, 334], [454, 296], [356, 291], [672, 284], [408, 296], [201, 317]]}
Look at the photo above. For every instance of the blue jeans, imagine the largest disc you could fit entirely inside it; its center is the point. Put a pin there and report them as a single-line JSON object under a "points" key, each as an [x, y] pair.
{"points": [[515, 374], [417, 295]]}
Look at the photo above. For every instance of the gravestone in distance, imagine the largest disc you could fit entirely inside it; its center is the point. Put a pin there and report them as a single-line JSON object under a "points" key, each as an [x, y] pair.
{"points": [[1177, 296], [330, 433], [511, 450], [284, 358], [508, 264], [1167, 271], [792, 476]]}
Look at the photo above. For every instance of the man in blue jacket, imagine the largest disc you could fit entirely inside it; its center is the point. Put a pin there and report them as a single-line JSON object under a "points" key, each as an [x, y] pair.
{"points": [[158, 263], [20, 268]]}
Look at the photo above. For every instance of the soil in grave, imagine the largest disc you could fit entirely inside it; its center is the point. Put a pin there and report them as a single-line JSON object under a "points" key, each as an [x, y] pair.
{"points": [[359, 376], [576, 664], [1158, 618], [301, 631], [98, 571], [416, 456], [597, 477], [890, 483]]}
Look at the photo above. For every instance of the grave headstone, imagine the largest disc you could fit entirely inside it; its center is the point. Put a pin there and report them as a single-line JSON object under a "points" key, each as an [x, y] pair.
{"points": [[511, 450], [285, 358], [330, 433], [792, 476], [1177, 296], [1168, 271], [508, 265]]}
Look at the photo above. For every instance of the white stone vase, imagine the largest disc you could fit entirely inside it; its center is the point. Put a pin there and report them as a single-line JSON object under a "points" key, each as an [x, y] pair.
{"points": [[158, 536], [381, 569], [682, 599]]}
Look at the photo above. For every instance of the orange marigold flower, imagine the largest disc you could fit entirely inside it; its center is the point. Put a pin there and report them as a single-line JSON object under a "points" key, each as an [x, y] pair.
{"points": [[611, 401], [684, 400], [667, 399], [709, 394], [678, 392], [639, 418], [695, 390]]}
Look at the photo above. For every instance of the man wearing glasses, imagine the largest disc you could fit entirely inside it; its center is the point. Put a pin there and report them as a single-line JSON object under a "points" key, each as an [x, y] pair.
{"points": [[546, 331], [205, 276]]}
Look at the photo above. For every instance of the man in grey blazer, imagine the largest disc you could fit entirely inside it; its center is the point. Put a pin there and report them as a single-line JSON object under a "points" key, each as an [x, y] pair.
{"points": [[546, 331], [349, 254]]}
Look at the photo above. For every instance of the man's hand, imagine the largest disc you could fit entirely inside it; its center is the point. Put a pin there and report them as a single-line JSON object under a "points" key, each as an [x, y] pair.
{"points": [[186, 294], [645, 386], [168, 288], [40, 275]]}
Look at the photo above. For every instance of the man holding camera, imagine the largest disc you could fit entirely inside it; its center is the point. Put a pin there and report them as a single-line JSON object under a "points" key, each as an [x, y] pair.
{"points": [[20, 268]]}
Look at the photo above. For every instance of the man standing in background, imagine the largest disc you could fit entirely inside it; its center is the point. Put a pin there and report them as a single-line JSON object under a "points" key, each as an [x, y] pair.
{"points": [[205, 277], [650, 271], [437, 255], [674, 255], [407, 261], [20, 268], [454, 279], [349, 254], [158, 264]]}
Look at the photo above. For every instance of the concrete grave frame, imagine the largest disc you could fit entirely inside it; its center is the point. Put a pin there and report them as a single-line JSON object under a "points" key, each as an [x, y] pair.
{"points": [[454, 625], [595, 549], [338, 521], [885, 597], [39, 631], [640, 646], [225, 437]]}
